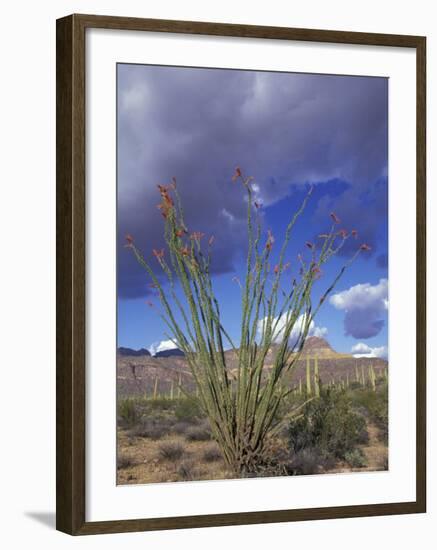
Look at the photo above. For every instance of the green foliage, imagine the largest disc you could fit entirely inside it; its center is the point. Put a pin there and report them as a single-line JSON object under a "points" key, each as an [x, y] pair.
{"points": [[188, 408], [127, 412], [355, 458], [328, 424], [375, 405], [159, 404]]}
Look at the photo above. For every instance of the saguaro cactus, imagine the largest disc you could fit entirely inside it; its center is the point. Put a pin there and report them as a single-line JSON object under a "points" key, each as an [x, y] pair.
{"points": [[357, 375], [316, 377], [274, 307], [308, 376], [155, 388], [372, 377]]}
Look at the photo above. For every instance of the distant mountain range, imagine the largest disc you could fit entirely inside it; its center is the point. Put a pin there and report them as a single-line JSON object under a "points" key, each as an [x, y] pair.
{"points": [[137, 370], [129, 352]]}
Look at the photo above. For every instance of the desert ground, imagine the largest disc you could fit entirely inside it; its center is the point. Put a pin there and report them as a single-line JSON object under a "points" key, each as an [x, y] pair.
{"points": [[163, 436]]}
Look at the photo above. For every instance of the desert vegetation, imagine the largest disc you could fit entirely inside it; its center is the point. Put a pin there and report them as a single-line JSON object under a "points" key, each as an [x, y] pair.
{"points": [[344, 428], [276, 302]]}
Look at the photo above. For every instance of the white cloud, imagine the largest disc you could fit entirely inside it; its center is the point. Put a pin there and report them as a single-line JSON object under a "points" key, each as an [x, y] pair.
{"points": [[228, 215], [163, 345], [362, 296], [365, 306], [314, 330], [320, 332], [363, 350]]}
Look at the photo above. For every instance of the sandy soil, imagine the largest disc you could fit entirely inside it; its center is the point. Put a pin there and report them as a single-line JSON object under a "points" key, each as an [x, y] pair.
{"points": [[141, 460]]}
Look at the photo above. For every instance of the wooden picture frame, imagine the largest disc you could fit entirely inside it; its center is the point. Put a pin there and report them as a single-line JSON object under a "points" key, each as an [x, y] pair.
{"points": [[71, 248]]}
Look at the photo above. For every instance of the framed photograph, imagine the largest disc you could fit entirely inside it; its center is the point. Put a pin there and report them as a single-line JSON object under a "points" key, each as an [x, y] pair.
{"points": [[240, 274]]}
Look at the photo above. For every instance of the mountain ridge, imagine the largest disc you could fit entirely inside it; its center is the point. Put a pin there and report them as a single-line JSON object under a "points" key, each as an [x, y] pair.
{"points": [[138, 374]]}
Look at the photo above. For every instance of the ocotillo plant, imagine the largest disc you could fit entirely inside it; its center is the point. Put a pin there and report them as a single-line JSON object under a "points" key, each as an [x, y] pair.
{"points": [[274, 307]]}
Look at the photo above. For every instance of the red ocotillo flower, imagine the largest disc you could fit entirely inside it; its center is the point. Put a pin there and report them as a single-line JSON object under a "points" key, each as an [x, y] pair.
{"points": [[179, 232], [354, 233], [334, 217], [276, 269], [129, 240], [167, 202], [270, 240], [185, 251], [173, 183], [257, 205], [315, 270], [162, 188], [343, 233], [237, 173], [365, 247], [159, 254]]}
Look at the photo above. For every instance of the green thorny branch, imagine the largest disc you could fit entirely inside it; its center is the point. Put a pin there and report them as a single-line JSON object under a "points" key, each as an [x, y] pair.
{"points": [[241, 409]]}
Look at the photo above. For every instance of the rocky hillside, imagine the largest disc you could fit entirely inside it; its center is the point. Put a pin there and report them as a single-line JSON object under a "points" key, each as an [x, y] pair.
{"points": [[140, 374]]}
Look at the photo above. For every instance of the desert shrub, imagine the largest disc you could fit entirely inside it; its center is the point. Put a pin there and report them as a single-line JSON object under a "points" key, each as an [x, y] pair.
{"points": [[160, 404], [170, 450], [309, 461], [188, 409], [356, 458], [124, 461], [186, 471], [212, 454], [181, 427], [153, 429], [198, 433], [127, 412], [375, 405], [328, 424]]}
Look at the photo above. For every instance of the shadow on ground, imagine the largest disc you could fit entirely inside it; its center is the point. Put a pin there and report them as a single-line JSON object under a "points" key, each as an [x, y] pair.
{"points": [[45, 518]]}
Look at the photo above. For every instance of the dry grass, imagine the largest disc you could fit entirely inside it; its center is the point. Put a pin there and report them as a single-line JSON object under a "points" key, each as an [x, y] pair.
{"points": [[171, 450], [148, 467]]}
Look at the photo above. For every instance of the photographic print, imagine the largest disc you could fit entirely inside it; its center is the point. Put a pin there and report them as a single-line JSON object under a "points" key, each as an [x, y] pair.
{"points": [[252, 274]]}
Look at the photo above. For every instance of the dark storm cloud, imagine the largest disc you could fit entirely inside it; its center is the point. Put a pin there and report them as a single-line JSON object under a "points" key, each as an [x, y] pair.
{"points": [[198, 124], [359, 326], [359, 207], [365, 308]]}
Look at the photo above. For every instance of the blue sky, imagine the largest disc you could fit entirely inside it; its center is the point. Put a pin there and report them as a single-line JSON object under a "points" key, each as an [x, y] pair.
{"points": [[287, 131]]}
